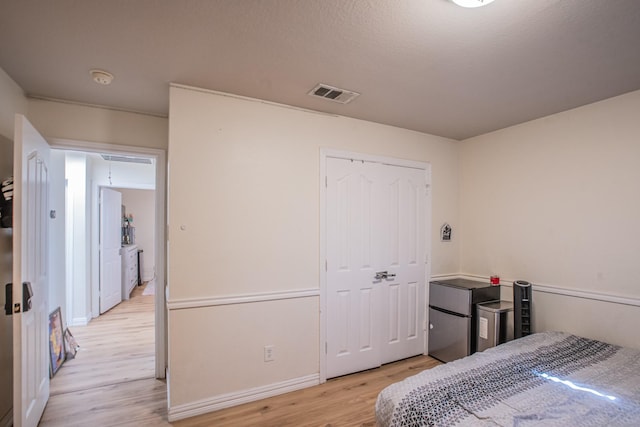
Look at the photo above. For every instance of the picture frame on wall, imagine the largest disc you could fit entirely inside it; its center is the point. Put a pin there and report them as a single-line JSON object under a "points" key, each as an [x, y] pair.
{"points": [[445, 232], [57, 352]]}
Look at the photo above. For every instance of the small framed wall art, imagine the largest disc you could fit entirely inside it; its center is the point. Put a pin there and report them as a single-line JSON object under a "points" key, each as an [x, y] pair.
{"points": [[445, 232]]}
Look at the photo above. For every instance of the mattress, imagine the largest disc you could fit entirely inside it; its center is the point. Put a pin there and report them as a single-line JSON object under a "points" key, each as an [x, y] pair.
{"points": [[549, 378]]}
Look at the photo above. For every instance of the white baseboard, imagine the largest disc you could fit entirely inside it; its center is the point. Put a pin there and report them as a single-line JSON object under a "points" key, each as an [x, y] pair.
{"points": [[79, 321], [228, 400], [147, 275], [7, 420]]}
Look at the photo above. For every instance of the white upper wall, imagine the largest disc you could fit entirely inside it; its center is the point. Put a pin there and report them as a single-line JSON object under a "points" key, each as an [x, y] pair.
{"points": [[555, 201], [12, 101], [122, 174], [141, 204]]}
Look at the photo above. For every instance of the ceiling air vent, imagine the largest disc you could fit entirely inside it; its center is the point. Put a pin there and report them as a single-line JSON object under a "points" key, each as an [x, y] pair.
{"points": [[333, 93], [126, 159]]}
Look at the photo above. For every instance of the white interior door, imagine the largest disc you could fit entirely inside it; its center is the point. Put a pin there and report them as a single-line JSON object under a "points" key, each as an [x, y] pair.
{"points": [[403, 256], [30, 264], [110, 249], [353, 255], [375, 223]]}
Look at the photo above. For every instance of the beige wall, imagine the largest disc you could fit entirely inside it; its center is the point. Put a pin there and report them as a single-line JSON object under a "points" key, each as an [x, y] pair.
{"points": [[94, 124], [555, 202], [244, 219]]}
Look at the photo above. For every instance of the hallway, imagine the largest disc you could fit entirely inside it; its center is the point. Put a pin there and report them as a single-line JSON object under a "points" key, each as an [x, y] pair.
{"points": [[111, 380]]}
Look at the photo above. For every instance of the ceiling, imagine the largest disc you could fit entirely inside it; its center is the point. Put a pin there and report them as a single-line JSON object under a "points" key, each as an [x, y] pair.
{"points": [[426, 65]]}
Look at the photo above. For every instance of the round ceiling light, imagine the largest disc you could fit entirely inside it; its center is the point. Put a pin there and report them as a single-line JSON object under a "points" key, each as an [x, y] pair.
{"points": [[101, 77], [472, 3]]}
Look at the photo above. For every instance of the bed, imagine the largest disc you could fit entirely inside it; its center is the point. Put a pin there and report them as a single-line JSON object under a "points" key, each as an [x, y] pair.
{"points": [[549, 378]]}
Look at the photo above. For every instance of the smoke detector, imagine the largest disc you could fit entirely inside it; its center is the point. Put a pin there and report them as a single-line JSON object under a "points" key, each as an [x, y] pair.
{"points": [[101, 77], [333, 93], [472, 3]]}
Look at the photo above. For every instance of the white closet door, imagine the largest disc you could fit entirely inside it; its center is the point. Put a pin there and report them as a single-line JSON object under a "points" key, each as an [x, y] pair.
{"points": [[375, 216], [353, 257], [403, 256]]}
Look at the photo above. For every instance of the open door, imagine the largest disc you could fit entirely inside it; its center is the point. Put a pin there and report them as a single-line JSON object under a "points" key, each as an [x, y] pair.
{"points": [[30, 265], [110, 246]]}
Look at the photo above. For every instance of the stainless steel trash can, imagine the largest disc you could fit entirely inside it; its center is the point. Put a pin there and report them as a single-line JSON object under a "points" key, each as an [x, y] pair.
{"points": [[495, 323]]}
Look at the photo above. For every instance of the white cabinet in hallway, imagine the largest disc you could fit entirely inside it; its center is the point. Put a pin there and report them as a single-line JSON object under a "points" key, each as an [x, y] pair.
{"points": [[129, 269]]}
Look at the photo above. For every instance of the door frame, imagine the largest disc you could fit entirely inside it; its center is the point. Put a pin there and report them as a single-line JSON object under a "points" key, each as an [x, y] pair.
{"points": [[160, 157], [326, 153]]}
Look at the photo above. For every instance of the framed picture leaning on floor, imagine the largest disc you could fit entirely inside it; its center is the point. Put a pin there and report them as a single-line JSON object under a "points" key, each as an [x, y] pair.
{"points": [[57, 353], [70, 344]]}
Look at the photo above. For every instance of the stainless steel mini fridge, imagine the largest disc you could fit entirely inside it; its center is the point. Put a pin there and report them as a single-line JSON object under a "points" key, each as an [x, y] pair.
{"points": [[452, 316], [495, 324]]}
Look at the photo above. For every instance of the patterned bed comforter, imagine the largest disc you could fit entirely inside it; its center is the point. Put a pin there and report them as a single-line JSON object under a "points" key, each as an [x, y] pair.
{"points": [[549, 378]]}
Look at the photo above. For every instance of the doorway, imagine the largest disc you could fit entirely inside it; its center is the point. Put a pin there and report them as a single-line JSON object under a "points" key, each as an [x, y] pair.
{"points": [[375, 261], [114, 167]]}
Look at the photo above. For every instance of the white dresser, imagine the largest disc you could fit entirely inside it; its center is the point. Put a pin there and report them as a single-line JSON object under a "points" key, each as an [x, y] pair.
{"points": [[129, 269]]}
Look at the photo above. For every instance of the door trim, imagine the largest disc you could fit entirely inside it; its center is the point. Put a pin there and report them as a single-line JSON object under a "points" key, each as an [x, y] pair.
{"points": [[326, 153], [199, 302], [160, 230]]}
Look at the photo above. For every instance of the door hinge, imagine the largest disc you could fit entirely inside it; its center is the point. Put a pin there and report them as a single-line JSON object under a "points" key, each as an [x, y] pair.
{"points": [[326, 265], [325, 181], [325, 348]]}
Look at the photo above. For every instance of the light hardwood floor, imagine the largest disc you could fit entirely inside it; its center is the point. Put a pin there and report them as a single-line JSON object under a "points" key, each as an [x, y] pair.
{"points": [[344, 401], [111, 380], [111, 383]]}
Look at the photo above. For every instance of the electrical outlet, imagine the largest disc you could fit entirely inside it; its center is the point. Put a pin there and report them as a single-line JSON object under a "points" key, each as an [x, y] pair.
{"points": [[269, 353]]}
